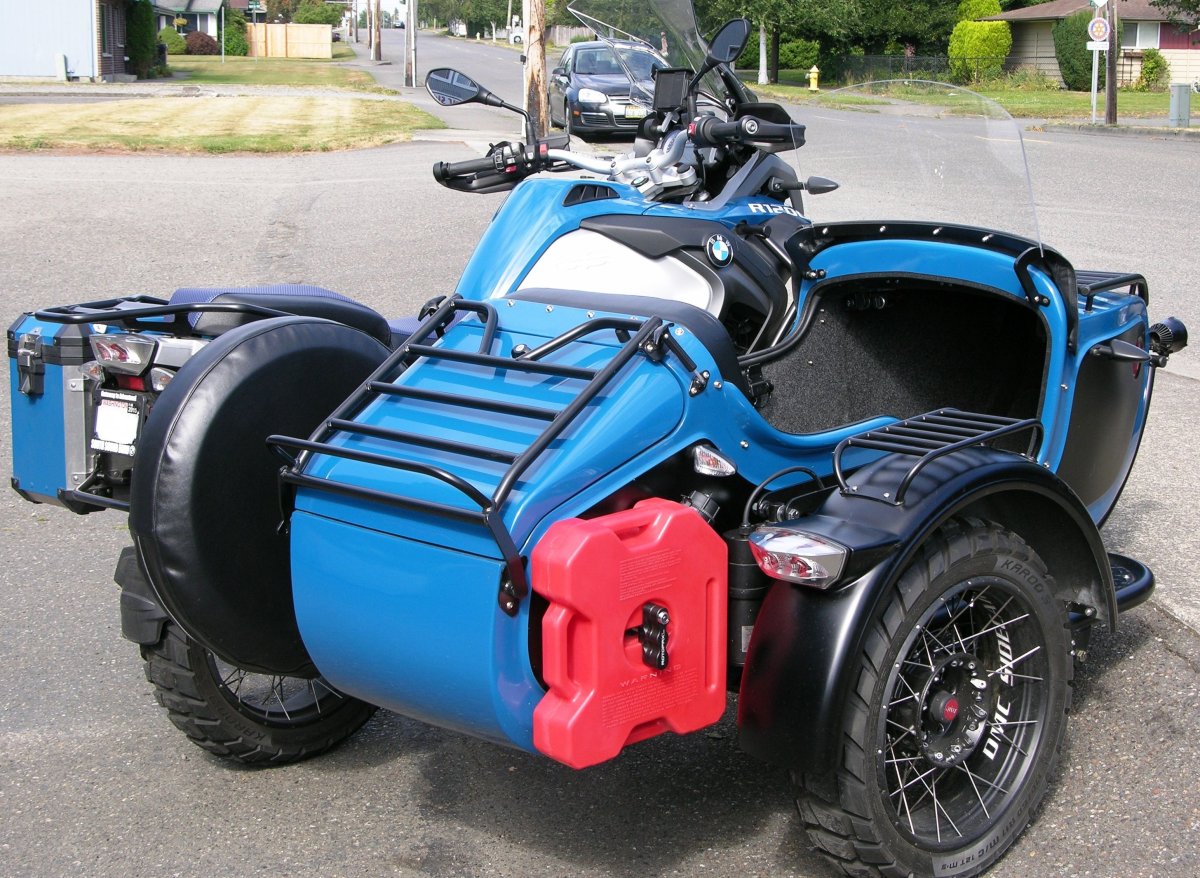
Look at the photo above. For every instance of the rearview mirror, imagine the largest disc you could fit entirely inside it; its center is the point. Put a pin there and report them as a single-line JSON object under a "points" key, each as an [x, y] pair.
{"points": [[729, 42], [451, 88]]}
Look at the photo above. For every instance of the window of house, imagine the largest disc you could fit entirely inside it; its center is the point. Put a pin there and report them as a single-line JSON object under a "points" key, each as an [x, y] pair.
{"points": [[1139, 35], [105, 30]]}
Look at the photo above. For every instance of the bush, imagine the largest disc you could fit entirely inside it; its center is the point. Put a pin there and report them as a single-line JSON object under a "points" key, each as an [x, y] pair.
{"points": [[202, 44], [140, 42], [175, 43], [316, 12], [970, 10], [1156, 72], [1074, 57], [978, 49], [235, 33], [793, 54], [1030, 78]]}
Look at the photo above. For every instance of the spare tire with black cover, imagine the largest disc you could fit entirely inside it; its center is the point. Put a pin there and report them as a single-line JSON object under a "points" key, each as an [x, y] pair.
{"points": [[205, 506]]}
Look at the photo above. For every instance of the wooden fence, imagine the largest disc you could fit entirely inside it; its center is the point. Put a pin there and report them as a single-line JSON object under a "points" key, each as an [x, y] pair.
{"points": [[290, 40]]}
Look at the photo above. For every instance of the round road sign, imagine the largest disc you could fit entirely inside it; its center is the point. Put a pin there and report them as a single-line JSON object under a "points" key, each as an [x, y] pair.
{"points": [[1098, 29]]}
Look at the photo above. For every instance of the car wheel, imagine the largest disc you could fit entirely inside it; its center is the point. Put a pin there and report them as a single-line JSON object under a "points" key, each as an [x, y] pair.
{"points": [[954, 727]]}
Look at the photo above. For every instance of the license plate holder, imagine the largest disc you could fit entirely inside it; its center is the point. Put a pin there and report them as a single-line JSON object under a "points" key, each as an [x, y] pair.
{"points": [[118, 422]]}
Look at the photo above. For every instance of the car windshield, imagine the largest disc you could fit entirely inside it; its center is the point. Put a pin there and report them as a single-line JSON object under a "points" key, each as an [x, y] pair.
{"points": [[666, 28]]}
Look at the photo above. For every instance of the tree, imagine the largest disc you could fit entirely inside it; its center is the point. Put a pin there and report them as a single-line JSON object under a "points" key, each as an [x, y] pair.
{"points": [[1070, 47], [1182, 12], [281, 10], [978, 48], [234, 36], [317, 12], [141, 43]]}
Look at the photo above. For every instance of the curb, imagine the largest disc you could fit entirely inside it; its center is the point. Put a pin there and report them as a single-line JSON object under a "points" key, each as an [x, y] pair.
{"points": [[1118, 130]]}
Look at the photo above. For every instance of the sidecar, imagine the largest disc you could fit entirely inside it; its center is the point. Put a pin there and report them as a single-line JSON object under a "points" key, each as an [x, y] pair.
{"points": [[665, 444]]}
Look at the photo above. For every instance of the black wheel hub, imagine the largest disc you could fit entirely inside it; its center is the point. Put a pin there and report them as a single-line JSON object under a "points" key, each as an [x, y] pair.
{"points": [[954, 707]]}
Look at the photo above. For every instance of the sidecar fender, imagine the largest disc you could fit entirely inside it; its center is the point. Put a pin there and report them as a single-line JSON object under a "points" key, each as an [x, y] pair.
{"points": [[805, 646]]}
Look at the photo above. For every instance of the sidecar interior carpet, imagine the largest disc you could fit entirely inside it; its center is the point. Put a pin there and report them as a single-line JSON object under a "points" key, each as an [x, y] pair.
{"points": [[206, 507], [881, 348], [300, 299]]}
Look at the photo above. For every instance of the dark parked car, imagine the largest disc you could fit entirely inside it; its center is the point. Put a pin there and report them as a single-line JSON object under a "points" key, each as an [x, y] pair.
{"points": [[590, 88]]}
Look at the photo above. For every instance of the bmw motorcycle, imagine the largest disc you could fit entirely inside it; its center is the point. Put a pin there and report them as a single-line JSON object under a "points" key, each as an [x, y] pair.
{"points": [[673, 436]]}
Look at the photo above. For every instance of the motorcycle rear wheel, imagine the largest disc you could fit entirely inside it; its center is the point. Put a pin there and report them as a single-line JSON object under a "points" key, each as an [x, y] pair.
{"points": [[255, 719], [957, 718]]}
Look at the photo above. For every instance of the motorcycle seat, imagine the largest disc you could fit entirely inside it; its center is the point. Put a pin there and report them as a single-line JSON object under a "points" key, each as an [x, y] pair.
{"points": [[300, 299], [701, 323]]}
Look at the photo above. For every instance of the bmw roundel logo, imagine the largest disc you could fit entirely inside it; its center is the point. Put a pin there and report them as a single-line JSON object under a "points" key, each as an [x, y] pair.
{"points": [[719, 250]]}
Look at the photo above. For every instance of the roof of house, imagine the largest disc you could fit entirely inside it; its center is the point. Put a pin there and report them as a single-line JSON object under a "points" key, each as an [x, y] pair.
{"points": [[1128, 10]]}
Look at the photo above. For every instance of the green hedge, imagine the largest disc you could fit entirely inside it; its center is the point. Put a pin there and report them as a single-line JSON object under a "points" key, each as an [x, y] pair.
{"points": [[140, 42], [978, 49], [175, 43], [1074, 57], [793, 54]]}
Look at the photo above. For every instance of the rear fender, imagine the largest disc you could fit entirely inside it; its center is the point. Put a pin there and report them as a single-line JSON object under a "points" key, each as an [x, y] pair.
{"points": [[804, 651]]}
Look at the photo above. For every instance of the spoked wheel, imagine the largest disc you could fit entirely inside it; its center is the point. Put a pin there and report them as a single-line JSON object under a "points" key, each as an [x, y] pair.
{"points": [[951, 736], [246, 716]]}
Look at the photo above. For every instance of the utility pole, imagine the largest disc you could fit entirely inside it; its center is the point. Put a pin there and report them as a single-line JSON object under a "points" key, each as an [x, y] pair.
{"points": [[377, 36], [1110, 66], [536, 97], [410, 38]]}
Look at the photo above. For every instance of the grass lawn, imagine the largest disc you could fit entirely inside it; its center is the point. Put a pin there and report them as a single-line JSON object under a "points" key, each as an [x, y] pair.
{"points": [[212, 124], [206, 69], [1036, 104]]}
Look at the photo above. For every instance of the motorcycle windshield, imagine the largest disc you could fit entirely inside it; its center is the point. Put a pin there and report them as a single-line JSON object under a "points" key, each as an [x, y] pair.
{"points": [[923, 151], [665, 28]]}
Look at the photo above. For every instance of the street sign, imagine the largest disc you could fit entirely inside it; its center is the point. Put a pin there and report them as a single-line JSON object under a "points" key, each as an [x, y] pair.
{"points": [[1097, 45], [254, 6], [1098, 30]]}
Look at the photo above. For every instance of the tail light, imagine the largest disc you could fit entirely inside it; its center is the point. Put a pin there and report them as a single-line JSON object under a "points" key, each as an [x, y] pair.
{"points": [[130, 354], [795, 556]]}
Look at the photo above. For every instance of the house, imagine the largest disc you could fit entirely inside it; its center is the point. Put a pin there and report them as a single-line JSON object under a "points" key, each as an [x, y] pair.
{"points": [[1144, 27], [196, 15], [67, 39]]}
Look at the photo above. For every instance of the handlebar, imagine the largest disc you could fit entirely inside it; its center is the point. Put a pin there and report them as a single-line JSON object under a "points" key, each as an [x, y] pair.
{"points": [[443, 171], [707, 131]]}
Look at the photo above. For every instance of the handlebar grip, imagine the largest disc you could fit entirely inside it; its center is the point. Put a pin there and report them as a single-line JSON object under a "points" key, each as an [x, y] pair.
{"points": [[443, 171], [707, 131]]}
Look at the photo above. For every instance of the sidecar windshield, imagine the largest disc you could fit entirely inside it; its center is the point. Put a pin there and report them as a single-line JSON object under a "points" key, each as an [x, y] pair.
{"points": [[914, 150], [666, 29]]}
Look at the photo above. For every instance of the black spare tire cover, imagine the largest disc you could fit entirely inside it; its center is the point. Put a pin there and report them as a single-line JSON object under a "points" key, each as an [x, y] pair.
{"points": [[205, 510]]}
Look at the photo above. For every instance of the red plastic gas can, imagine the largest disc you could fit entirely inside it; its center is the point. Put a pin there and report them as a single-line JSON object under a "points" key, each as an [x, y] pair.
{"points": [[609, 581]]}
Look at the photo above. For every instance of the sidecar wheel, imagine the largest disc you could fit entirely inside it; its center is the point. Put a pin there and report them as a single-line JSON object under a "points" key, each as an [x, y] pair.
{"points": [[248, 717], [955, 725]]}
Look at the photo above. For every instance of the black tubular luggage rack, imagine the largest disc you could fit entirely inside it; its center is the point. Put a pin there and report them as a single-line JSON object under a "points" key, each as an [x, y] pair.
{"points": [[650, 337], [1093, 282], [930, 436]]}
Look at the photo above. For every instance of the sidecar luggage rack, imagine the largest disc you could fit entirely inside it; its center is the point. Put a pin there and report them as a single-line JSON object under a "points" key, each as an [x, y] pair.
{"points": [[930, 436], [1093, 282], [645, 336]]}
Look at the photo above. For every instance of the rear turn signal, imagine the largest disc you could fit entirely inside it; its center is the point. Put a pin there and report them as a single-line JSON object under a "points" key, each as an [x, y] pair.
{"points": [[794, 556]]}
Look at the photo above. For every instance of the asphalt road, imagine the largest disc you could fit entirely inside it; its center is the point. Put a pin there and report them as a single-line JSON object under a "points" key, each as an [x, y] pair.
{"points": [[94, 780]]}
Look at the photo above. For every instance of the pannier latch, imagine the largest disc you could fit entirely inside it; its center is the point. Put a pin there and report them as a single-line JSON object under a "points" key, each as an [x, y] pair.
{"points": [[653, 635], [31, 367]]}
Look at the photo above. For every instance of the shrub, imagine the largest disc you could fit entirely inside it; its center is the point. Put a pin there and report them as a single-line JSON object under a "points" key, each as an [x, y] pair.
{"points": [[202, 44], [317, 12], [175, 43], [1028, 78], [978, 49], [140, 42], [583, 38], [970, 10], [1156, 72], [793, 54], [235, 33], [1074, 57]]}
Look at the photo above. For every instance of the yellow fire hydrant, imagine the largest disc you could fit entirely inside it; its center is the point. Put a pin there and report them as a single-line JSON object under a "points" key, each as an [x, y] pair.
{"points": [[813, 75]]}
